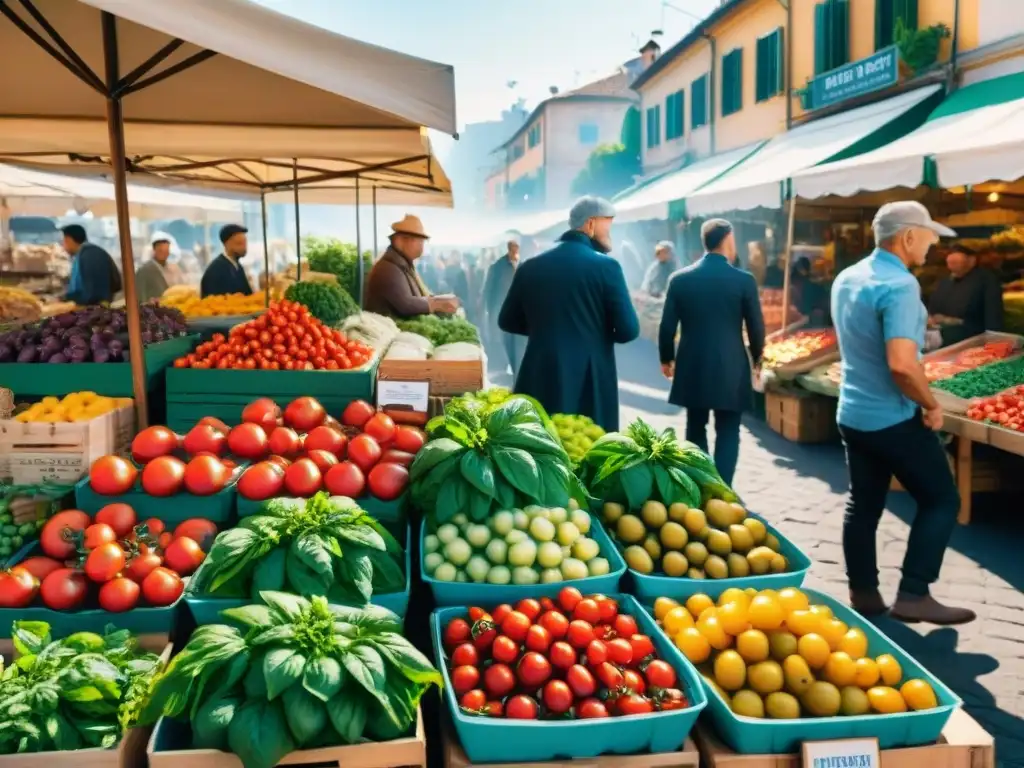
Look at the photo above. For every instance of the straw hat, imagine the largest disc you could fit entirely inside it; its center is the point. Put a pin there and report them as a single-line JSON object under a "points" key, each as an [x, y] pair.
{"points": [[410, 225]]}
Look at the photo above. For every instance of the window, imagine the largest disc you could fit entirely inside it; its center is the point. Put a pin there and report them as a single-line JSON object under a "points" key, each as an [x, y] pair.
{"points": [[699, 102], [888, 15], [831, 35], [589, 133], [533, 136], [675, 115], [732, 82], [653, 126], [518, 151], [770, 69]]}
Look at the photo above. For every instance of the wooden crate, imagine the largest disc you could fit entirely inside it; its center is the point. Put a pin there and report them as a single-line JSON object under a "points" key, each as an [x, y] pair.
{"points": [[802, 417], [62, 452], [398, 753], [446, 377], [964, 744], [687, 757]]}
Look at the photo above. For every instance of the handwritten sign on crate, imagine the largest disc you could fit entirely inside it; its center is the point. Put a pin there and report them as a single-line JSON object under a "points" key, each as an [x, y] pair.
{"points": [[841, 753]]}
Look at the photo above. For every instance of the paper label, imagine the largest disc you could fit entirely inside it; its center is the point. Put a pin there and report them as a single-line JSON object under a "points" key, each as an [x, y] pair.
{"points": [[841, 753], [403, 395]]}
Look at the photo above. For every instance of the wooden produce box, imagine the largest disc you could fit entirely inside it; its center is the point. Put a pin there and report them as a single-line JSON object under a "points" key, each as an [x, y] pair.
{"points": [[950, 402], [446, 377], [61, 452], [964, 744], [802, 417]]}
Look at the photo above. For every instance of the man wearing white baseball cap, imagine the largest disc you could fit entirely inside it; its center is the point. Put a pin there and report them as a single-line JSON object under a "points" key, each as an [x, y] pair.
{"points": [[888, 416]]}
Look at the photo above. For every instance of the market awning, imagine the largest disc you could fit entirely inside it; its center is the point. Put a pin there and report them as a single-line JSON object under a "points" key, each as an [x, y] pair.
{"points": [[974, 136], [758, 181], [651, 200]]}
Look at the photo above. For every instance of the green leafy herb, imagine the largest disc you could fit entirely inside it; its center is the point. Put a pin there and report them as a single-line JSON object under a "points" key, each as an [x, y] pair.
{"points": [[328, 254], [441, 330], [326, 302]]}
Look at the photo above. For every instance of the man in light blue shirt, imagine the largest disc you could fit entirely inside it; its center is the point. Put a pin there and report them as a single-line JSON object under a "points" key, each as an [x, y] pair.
{"points": [[888, 416]]}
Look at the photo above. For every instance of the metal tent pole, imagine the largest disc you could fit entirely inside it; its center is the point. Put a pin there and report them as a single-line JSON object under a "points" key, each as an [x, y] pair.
{"points": [[373, 191], [266, 248], [359, 252], [298, 231], [786, 279]]}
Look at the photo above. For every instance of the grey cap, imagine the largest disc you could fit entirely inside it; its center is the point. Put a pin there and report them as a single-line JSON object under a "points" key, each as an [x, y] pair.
{"points": [[665, 245], [893, 218], [589, 207]]}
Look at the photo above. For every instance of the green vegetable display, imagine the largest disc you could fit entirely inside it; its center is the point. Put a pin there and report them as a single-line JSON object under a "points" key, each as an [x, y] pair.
{"points": [[482, 460], [328, 303], [24, 510], [328, 254], [984, 381], [80, 692], [577, 434], [303, 674], [325, 545], [639, 464], [442, 330]]}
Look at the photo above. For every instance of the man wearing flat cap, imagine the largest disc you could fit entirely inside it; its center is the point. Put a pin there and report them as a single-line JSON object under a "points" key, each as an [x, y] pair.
{"points": [[395, 288], [151, 277], [225, 274], [888, 416], [573, 306], [657, 275], [709, 304]]}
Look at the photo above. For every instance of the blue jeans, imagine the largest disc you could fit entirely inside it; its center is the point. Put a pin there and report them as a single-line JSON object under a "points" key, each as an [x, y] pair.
{"points": [[727, 437], [913, 454]]}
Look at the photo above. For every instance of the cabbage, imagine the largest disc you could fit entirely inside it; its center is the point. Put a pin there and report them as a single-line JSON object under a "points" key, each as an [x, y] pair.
{"points": [[458, 350]]}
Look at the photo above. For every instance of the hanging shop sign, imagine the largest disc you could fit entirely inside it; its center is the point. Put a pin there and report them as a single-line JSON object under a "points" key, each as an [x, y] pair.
{"points": [[874, 73]]}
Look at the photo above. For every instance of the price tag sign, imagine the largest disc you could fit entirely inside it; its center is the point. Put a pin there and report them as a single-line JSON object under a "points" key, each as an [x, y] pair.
{"points": [[841, 753], [404, 401]]}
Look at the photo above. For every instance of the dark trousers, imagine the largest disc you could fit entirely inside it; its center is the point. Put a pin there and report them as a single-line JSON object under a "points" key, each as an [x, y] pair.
{"points": [[515, 347], [727, 437], [913, 454]]}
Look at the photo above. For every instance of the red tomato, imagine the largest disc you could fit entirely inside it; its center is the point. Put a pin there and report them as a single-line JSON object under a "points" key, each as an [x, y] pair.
{"points": [[381, 428], [409, 439], [18, 587], [261, 481], [474, 700], [521, 708], [284, 441], [162, 586], [303, 478], [63, 589], [205, 438], [642, 647], [555, 623], [214, 422], [660, 674], [533, 670], [620, 651], [280, 461], [357, 413], [516, 625], [672, 698], [40, 566], [609, 609], [557, 697], [465, 679], [632, 680], [154, 526], [562, 655], [387, 481], [456, 633], [345, 479], [52, 538], [112, 475], [105, 561], [200, 530], [264, 412], [152, 442], [504, 649], [591, 709], [609, 675], [529, 607], [538, 639], [587, 610], [392, 456], [580, 634], [142, 565], [324, 460], [625, 626], [581, 681], [568, 598], [364, 452], [304, 414], [499, 681], [634, 704], [97, 535], [121, 517], [328, 439], [499, 613], [119, 595], [204, 476], [493, 709], [483, 638], [248, 441], [163, 476], [597, 653], [465, 655], [183, 556]]}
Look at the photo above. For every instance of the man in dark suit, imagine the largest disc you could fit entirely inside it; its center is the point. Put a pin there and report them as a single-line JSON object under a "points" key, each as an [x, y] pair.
{"points": [[573, 306], [95, 278], [710, 302], [225, 274]]}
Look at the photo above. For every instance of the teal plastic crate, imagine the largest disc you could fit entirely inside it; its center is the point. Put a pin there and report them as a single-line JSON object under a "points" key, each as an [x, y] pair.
{"points": [[751, 736], [469, 593], [185, 411], [206, 610], [382, 511], [647, 587], [285, 385], [496, 740], [218, 508]]}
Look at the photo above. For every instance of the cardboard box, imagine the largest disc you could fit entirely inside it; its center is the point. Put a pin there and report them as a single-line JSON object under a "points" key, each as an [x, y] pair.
{"points": [[964, 744], [802, 417], [446, 377]]}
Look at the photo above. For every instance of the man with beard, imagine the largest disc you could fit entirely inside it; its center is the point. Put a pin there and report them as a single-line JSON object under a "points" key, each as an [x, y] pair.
{"points": [[225, 274], [151, 277], [658, 273], [573, 306]]}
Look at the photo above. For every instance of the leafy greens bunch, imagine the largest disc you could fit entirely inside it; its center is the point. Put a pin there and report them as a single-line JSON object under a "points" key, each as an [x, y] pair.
{"points": [[329, 303], [325, 545], [640, 464], [80, 692], [441, 330], [481, 460], [328, 254], [302, 674]]}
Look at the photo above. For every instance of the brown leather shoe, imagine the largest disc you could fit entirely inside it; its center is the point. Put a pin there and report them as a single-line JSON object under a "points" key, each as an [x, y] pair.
{"points": [[911, 609], [868, 603]]}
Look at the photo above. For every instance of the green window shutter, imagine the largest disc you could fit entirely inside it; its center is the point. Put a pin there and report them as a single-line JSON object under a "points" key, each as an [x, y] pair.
{"points": [[884, 23], [760, 69], [780, 60], [821, 41], [699, 102], [841, 32], [657, 125], [732, 82]]}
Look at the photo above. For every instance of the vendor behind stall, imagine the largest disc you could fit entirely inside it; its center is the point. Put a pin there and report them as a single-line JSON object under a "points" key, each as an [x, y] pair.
{"points": [[225, 274], [94, 275], [395, 288], [151, 277], [969, 301]]}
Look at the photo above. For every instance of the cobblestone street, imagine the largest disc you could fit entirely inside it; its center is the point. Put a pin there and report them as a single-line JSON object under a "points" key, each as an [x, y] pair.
{"points": [[802, 490]]}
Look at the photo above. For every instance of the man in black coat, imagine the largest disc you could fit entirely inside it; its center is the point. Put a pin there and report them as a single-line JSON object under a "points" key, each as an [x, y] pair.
{"points": [[225, 274], [95, 278], [710, 302], [573, 306]]}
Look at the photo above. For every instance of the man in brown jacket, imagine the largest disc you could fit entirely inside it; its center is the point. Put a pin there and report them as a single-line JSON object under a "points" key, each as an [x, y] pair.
{"points": [[395, 288]]}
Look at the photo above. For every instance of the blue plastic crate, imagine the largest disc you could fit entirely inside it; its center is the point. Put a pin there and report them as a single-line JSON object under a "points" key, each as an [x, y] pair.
{"points": [[218, 508], [206, 610], [470, 593], [751, 736], [496, 740], [649, 587]]}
